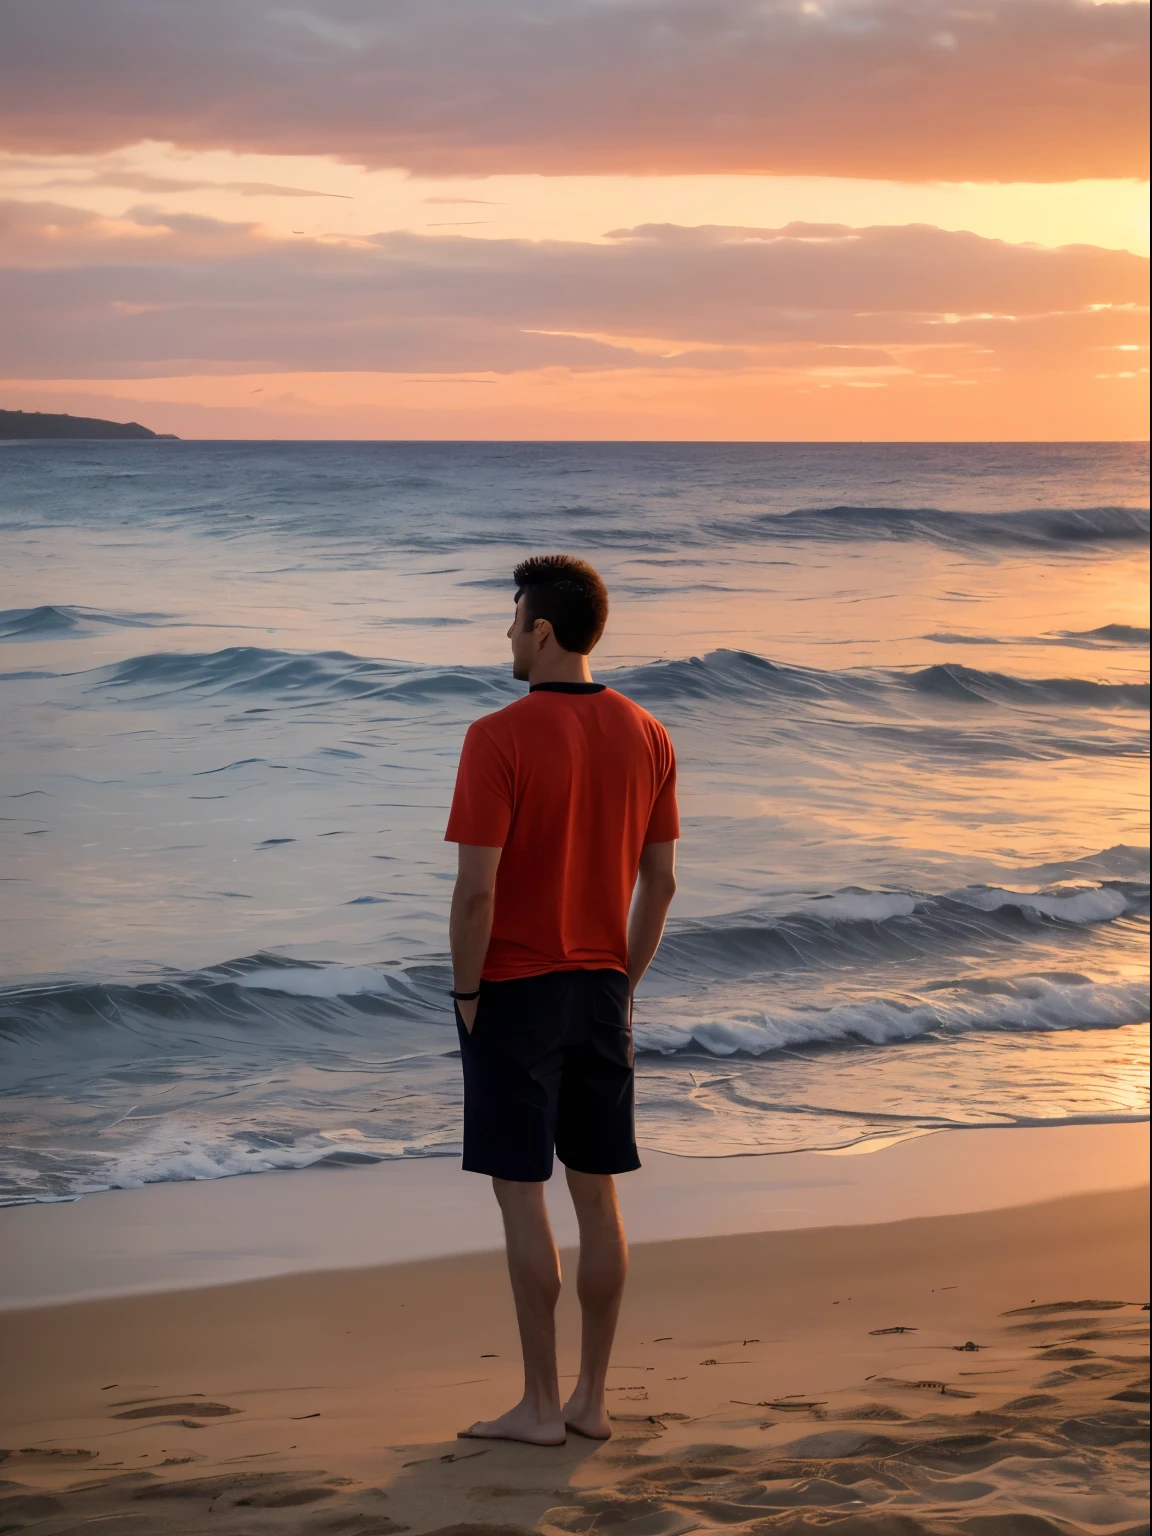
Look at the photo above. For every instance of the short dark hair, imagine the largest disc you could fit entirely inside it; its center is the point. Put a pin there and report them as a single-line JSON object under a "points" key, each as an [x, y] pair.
{"points": [[568, 593]]}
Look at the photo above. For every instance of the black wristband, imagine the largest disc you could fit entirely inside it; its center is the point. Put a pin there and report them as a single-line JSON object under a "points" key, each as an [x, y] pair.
{"points": [[465, 997]]}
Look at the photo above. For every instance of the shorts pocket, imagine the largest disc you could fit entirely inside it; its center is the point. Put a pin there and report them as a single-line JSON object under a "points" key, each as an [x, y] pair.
{"points": [[611, 999], [612, 1017]]}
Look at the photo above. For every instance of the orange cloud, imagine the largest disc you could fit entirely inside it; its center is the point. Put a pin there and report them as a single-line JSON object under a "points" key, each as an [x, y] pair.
{"points": [[1026, 90], [179, 293], [664, 331]]}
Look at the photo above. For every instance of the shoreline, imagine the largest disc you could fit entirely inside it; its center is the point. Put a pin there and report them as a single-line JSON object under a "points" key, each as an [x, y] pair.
{"points": [[185, 1236], [906, 1376]]}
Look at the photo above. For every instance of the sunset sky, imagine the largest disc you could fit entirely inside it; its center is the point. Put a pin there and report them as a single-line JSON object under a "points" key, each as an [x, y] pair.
{"points": [[753, 219]]}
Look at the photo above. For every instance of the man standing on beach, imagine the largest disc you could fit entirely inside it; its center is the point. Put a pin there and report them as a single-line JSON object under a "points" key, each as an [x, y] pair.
{"points": [[565, 813]]}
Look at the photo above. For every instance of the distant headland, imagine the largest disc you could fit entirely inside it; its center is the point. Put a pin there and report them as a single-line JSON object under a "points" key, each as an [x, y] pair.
{"points": [[35, 424]]}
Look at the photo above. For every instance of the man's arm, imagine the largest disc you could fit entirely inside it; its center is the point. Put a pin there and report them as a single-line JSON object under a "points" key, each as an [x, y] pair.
{"points": [[655, 888], [470, 923]]}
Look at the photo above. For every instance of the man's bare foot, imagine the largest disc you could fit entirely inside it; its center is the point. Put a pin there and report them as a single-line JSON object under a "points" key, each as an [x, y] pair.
{"points": [[519, 1423], [587, 1418]]}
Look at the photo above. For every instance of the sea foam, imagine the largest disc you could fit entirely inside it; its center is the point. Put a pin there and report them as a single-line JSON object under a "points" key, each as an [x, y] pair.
{"points": [[1030, 1004], [1079, 906]]}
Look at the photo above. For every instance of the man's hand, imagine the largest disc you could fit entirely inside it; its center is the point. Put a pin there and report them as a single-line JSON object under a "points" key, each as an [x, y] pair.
{"points": [[655, 888], [470, 926]]}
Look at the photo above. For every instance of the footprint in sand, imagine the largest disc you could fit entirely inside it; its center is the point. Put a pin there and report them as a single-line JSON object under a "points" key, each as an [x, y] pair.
{"points": [[263, 1490], [29, 1507], [164, 1410], [32, 1455], [1038, 1309]]}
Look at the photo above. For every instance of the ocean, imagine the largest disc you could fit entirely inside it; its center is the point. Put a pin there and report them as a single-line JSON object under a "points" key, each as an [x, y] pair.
{"points": [[908, 690]]}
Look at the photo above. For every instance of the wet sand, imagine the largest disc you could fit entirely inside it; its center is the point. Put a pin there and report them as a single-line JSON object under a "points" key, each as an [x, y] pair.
{"points": [[765, 1381], [184, 1235]]}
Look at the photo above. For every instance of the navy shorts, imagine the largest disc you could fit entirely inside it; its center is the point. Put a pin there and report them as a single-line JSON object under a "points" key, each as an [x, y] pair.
{"points": [[548, 1068]]}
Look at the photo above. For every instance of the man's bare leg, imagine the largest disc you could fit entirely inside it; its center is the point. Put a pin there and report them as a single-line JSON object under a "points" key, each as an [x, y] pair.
{"points": [[600, 1287], [534, 1269]]}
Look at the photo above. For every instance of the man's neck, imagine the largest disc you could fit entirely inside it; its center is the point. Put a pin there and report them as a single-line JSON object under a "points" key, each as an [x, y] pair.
{"points": [[567, 667]]}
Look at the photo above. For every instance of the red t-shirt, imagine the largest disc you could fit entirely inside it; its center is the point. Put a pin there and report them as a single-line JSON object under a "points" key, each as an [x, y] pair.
{"points": [[570, 783]]}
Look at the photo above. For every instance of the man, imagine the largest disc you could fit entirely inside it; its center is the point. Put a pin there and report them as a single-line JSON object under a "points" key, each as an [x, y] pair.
{"points": [[565, 813]]}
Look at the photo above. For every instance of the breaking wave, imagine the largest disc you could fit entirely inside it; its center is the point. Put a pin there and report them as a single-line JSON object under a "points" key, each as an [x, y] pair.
{"points": [[721, 675], [1105, 637], [301, 675], [1110, 634], [267, 997], [1047, 529], [1026, 1004], [62, 622]]}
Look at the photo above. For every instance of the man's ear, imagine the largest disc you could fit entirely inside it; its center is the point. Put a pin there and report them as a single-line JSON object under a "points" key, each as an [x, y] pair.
{"points": [[542, 629]]}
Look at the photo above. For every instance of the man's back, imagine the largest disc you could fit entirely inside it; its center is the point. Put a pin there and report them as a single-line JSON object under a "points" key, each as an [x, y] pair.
{"points": [[571, 781]]}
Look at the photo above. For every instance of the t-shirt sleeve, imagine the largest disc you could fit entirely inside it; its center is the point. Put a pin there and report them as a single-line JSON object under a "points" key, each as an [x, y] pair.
{"points": [[664, 819], [482, 801]]}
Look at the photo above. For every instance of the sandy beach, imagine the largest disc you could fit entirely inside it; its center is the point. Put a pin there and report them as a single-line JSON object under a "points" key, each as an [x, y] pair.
{"points": [[574, 608], [983, 1372]]}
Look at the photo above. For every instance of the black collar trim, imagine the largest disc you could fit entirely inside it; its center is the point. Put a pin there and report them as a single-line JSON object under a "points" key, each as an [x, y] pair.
{"points": [[567, 688]]}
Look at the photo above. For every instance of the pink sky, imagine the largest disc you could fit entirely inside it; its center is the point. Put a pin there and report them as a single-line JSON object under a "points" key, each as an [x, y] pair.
{"points": [[655, 218]]}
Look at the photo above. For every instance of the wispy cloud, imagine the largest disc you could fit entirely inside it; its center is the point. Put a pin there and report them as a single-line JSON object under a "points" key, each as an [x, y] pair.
{"points": [[1032, 90], [144, 181], [159, 293]]}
